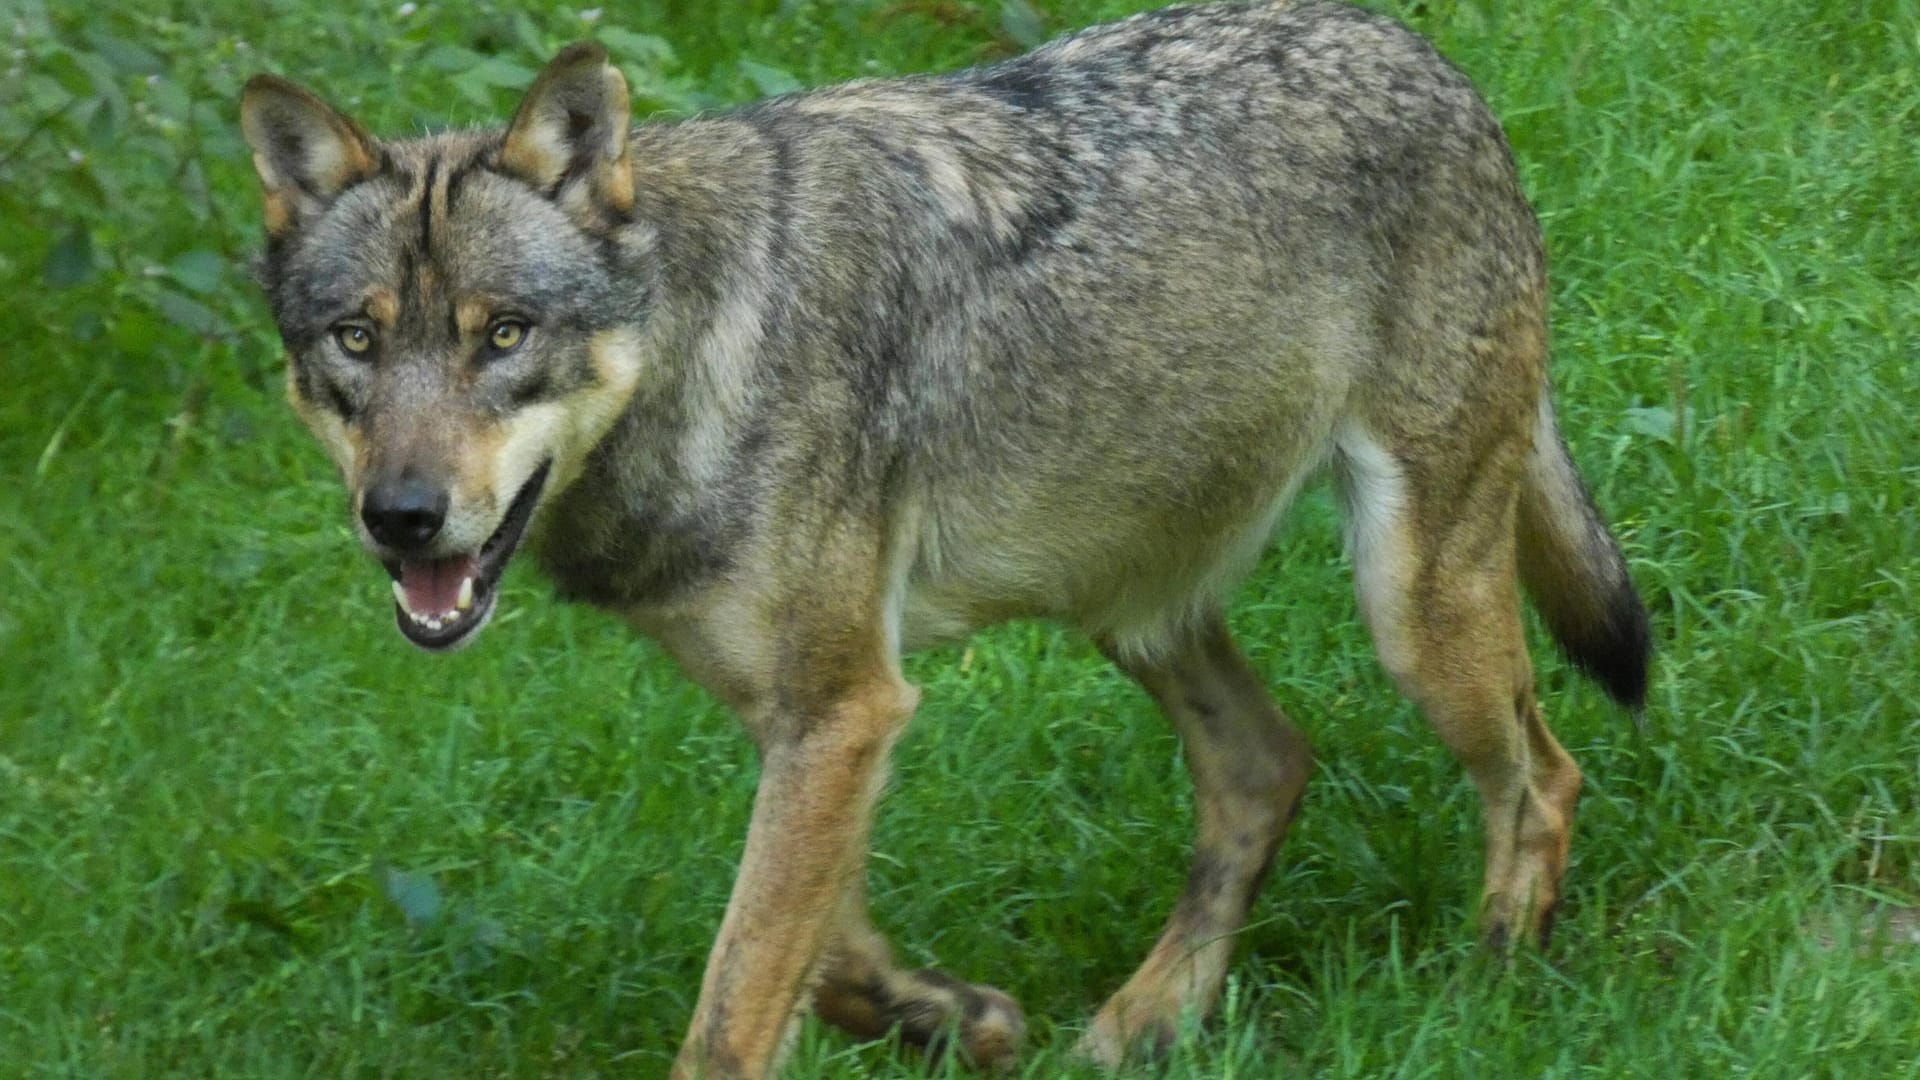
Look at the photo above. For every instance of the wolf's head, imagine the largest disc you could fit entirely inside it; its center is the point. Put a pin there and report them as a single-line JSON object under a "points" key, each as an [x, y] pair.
{"points": [[460, 315]]}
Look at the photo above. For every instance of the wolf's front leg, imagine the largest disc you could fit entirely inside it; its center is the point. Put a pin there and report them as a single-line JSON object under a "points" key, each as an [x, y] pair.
{"points": [[821, 769]]}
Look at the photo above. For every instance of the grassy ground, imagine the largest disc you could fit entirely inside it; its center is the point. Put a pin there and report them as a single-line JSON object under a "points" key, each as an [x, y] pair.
{"points": [[246, 832]]}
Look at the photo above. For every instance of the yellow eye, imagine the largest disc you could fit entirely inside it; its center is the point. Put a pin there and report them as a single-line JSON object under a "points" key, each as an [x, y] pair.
{"points": [[357, 340], [505, 335]]}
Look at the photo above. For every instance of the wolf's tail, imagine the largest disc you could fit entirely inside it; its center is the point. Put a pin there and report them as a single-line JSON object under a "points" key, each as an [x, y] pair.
{"points": [[1573, 569]]}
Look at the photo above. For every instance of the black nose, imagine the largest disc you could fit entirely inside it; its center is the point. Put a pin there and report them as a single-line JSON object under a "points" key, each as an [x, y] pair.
{"points": [[404, 514]]}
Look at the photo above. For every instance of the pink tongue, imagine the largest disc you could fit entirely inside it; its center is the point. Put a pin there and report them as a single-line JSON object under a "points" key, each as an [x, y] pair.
{"points": [[433, 588]]}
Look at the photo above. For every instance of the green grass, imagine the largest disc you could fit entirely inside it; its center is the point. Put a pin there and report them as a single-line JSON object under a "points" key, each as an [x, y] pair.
{"points": [[246, 832]]}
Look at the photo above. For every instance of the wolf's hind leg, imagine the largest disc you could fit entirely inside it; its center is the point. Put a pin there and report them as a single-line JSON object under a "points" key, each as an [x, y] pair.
{"points": [[861, 990], [1435, 567], [1249, 766]]}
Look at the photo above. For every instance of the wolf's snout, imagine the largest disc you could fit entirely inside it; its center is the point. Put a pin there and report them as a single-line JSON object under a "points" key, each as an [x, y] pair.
{"points": [[405, 514]]}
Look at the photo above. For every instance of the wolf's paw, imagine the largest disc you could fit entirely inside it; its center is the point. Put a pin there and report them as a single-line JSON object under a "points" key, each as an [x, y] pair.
{"points": [[941, 1014], [1119, 1034], [1505, 925], [929, 1010]]}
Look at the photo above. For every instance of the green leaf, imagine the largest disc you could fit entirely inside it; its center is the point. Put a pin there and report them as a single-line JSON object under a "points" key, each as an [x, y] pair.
{"points": [[43, 94], [65, 71], [1654, 421], [169, 98], [474, 89], [625, 45], [1022, 23], [673, 95], [103, 128], [452, 58], [190, 315], [529, 35], [125, 55], [104, 80], [133, 331], [70, 262], [505, 73], [238, 566], [199, 271], [415, 894], [479, 82], [769, 79], [1657, 421]]}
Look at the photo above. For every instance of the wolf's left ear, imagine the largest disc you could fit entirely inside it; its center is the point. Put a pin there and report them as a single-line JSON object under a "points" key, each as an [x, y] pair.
{"points": [[573, 123], [305, 152]]}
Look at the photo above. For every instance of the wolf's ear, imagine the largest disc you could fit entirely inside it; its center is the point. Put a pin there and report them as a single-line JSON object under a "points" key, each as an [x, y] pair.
{"points": [[305, 152], [573, 122]]}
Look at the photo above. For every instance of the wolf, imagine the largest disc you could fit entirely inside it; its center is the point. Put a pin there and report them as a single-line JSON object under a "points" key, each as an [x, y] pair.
{"points": [[798, 388]]}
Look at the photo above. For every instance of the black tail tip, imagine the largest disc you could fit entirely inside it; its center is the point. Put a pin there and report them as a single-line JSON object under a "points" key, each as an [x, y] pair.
{"points": [[1616, 653]]}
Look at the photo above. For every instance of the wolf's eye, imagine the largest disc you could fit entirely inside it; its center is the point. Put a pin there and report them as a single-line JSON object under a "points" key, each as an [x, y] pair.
{"points": [[354, 339], [505, 335]]}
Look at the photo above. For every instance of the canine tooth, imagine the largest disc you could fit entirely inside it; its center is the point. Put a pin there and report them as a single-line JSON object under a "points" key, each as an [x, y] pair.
{"points": [[400, 596], [466, 594]]}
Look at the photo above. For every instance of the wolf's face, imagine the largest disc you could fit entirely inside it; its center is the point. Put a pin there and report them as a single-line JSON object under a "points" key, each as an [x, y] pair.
{"points": [[459, 314]]}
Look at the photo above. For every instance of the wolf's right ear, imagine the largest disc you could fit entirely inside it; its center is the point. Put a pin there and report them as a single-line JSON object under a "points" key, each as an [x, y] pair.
{"points": [[305, 152], [573, 123]]}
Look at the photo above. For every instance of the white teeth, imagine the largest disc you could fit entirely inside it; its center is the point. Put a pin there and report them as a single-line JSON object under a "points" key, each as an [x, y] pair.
{"points": [[437, 620]]}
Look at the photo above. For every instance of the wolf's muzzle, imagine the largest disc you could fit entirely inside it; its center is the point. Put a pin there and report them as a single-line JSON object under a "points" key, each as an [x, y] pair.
{"points": [[441, 601], [405, 514]]}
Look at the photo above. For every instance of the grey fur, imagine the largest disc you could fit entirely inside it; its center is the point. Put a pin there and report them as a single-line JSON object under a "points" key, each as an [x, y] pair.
{"points": [[1057, 337], [1117, 264]]}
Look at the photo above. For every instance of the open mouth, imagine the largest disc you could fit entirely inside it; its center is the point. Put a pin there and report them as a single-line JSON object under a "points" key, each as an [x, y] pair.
{"points": [[440, 604]]}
